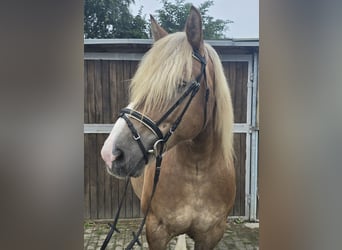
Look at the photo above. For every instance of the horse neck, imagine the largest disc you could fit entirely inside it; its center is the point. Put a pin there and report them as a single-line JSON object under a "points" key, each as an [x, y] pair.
{"points": [[202, 151]]}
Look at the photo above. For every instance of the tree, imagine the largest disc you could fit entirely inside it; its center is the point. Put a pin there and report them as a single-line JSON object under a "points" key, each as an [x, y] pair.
{"points": [[112, 19], [172, 18]]}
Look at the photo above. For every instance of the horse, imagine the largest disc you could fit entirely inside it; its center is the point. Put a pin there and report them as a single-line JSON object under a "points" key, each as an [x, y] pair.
{"points": [[180, 114]]}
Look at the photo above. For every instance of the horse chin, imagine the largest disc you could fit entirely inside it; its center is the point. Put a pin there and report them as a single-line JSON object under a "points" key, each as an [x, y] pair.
{"points": [[115, 173], [121, 171], [137, 173]]}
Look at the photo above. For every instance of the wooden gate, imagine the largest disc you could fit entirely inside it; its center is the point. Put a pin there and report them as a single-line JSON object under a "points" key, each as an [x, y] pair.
{"points": [[108, 67]]}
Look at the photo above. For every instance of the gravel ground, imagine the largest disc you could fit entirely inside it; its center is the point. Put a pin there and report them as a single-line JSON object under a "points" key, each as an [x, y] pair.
{"points": [[238, 235]]}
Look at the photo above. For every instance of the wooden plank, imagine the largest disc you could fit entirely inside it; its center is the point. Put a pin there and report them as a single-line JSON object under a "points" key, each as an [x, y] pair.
{"points": [[115, 195], [120, 86], [228, 73], [237, 98], [245, 79], [230, 76], [90, 103], [237, 204], [127, 79], [123, 85], [114, 73], [108, 196], [129, 202], [136, 212], [237, 76], [86, 178], [86, 200], [86, 118], [120, 191], [106, 109], [105, 185], [134, 67], [242, 80], [101, 172], [238, 102], [92, 164], [93, 176], [113, 89], [98, 92], [120, 91], [239, 163], [243, 171]]}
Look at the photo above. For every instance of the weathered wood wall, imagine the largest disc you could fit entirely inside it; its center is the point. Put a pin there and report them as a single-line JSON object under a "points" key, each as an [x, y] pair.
{"points": [[106, 92]]}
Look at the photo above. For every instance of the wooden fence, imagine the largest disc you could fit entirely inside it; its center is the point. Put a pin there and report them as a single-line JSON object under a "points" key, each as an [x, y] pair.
{"points": [[108, 66]]}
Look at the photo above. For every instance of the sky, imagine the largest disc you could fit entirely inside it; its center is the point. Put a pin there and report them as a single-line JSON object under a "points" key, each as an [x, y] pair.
{"points": [[244, 13]]}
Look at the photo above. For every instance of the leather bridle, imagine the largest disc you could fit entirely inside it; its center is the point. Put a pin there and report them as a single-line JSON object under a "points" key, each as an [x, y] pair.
{"points": [[158, 147], [161, 140]]}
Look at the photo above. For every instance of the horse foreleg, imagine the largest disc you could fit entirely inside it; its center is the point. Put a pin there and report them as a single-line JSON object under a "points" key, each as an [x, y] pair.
{"points": [[156, 233], [208, 240]]}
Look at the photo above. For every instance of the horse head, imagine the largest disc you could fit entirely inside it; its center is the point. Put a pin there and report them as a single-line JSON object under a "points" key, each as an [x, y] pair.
{"points": [[171, 98]]}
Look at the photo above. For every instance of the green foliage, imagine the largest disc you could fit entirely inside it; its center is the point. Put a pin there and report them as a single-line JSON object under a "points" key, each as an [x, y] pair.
{"points": [[112, 19], [172, 18]]}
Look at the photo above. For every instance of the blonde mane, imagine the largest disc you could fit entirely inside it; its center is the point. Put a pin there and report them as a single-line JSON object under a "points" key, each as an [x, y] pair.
{"points": [[166, 65], [163, 67], [224, 116]]}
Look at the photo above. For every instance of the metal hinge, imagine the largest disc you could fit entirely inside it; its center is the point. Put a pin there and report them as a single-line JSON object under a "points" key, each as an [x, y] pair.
{"points": [[248, 198], [252, 129], [251, 77]]}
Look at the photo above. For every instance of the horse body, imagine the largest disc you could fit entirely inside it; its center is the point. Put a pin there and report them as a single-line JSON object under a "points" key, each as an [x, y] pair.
{"points": [[194, 196], [196, 187]]}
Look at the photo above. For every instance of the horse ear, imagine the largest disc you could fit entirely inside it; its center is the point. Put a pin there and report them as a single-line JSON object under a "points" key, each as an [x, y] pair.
{"points": [[157, 31], [193, 29]]}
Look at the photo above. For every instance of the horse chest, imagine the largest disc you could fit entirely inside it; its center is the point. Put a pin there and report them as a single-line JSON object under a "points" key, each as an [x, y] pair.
{"points": [[193, 217], [190, 205]]}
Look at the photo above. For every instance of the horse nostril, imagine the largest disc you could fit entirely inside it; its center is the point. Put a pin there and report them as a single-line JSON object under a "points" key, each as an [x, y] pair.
{"points": [[118, 154]]}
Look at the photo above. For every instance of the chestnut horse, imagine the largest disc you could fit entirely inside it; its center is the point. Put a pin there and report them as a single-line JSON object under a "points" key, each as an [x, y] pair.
{"points": [[180, 111]]}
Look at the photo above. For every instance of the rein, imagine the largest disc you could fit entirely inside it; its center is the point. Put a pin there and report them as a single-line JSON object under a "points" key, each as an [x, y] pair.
{"points": [[127, 113]]}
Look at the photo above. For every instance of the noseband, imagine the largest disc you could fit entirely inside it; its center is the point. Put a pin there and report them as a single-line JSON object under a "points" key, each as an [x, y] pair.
{"points": [[127, 113], [158, 146]]}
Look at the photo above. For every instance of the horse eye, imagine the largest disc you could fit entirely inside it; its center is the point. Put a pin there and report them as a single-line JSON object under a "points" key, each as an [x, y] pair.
{"points": [[182, 85]]}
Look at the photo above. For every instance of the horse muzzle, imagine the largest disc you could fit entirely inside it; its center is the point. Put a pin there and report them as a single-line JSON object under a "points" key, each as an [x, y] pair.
{"points": [[127, 165], [122, 154]]}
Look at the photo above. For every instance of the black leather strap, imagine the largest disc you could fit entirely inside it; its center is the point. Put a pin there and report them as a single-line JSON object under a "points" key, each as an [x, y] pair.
{"points": [[193, 88], [116, 219], [136, 137], [203, 62], [148, 122]]}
